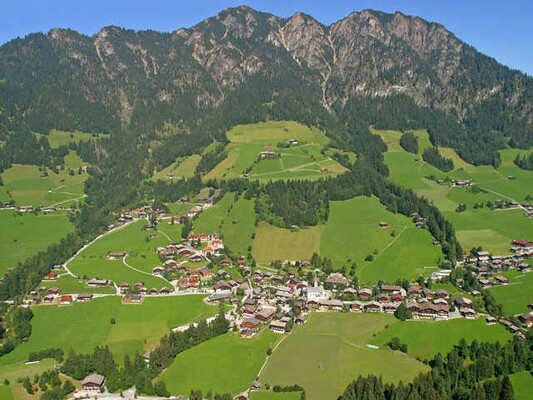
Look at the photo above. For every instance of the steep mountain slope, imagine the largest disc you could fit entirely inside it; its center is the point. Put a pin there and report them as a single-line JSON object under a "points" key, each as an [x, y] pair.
{"points": [[139, 80]]}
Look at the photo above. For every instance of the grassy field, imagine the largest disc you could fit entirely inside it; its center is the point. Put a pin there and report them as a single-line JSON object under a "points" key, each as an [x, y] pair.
{"points": [[238, 227], [22, 236], [70, 285], [522, 384], [212, 219], [58, 138], [493, 230], [93, 262], [517, 295], [182, 168], [82, 326], [304, 161], [264, 395], [330, 351], [352, 232], [272, 243], [26, 185], [15, 391], [224, 364], [424, 339]]}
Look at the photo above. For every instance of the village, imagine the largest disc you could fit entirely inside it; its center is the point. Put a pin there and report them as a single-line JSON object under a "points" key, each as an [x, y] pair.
{"points": [[277, 299]]}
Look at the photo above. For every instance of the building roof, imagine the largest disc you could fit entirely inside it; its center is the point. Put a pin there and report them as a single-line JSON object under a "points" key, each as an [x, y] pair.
{"points": [[95, 379]]}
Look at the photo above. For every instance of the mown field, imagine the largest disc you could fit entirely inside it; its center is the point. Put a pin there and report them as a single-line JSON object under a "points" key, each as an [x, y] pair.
{"points": [[23, 235], [493, 230], [272, 243], [352, 233], [27, 185], [182, 168], [522, 385], [516, 296], [224, 364], [330, 350], [304, 161], [424, 339], [82, 326], [264, 395], [239, 226], [70, 285], [93, 262]]}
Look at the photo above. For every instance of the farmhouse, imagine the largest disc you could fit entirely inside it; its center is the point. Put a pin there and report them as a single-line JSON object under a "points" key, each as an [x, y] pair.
{"points": [[132, 299], [65, 300], [337, 278], [51, 276], [468, 313], [251, 323], [267, 154], [365, 294], [116, 255], [84, 297], [93, 383], [278, 326], [97, 282]]}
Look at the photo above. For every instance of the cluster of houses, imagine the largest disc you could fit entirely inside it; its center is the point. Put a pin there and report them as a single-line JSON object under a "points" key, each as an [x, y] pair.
{"points": [[419, 220], [506, 204], [463, 182], [279, 302], [196, 247], [487, 267], [29, 209]]}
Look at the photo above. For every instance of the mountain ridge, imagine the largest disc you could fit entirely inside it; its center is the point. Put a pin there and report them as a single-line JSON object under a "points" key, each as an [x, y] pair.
{"points": [[121, 77]]}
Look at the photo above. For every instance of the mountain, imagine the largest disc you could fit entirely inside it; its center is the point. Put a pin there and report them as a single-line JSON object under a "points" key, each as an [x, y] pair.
{"points": [[371, 63]]}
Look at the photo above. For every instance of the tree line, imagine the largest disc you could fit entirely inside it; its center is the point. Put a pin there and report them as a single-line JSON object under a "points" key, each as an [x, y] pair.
{"points": [[479, 371]]}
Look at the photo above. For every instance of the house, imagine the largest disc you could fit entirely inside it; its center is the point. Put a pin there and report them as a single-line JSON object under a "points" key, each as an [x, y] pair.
{"points": [[382, 298], [522, 243], [97, 282], [158, 271], [463, 302], [364, 294], [526, 319], [278, 326], [133, 299], [468, 313], [53, 290], [222, 287], [48, 298], [266, 314], [390, 308], [65, 300], [116, 255], [502, 280], [84, 297], [293, 142], [372, 306], [383, 224], [267, 154], [491, 320], [165, 290], [93, 383], [337, 278], [124, 287], [51, 276], [247, 333], [251, 323]]}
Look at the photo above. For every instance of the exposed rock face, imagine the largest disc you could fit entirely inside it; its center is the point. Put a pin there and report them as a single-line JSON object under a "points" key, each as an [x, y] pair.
{"points": [[132, 75]]}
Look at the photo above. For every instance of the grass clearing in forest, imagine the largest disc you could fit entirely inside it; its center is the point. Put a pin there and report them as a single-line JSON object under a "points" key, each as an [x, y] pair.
{"points": [[522, 383], [330, 351], [182, 168], [57, 138], [303, 160]]}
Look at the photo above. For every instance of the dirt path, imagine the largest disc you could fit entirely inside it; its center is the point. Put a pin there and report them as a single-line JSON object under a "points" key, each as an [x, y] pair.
{"points": [[385, 248], [142, 272]]}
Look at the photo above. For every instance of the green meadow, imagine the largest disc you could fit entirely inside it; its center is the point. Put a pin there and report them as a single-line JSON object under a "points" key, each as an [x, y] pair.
{"points": [[522, 384], [493, 230], [13, 372], [303, 161], [352, 232], [425, 339], [272, 243], [212, 219], [82, 326], [516, 296], [239, 226], [264, 395], [23, 235], [226, 363], [182, 168], [26, 185], [93, 261], [330, 351], [69, 285], [58, 138]]}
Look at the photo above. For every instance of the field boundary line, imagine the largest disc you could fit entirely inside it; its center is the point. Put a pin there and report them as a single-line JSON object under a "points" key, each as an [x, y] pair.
{"points": [[142, 272]]}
